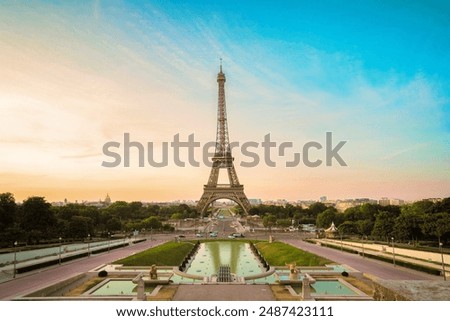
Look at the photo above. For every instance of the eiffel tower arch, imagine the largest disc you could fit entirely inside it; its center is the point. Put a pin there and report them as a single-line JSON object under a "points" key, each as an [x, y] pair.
{"points": [[222, 160]]}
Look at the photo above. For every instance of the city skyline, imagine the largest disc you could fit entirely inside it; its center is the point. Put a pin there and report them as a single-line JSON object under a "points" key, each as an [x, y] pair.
{"points": [[79, 75]]}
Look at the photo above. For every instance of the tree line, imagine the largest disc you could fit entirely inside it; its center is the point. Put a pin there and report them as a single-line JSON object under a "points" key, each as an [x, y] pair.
{"points": [[419, 221], [35, 220]]}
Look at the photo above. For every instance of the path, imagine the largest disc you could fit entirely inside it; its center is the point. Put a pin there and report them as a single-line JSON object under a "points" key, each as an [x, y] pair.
{"points": [[229, 292], [376, 268], [41, 278]]}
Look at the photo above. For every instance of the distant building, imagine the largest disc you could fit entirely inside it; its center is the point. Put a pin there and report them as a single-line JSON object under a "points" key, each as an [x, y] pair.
{"points": [[305, 204], [397, 202], [342, 205], [255, 201], [107, 200], [331, 231], [323, 199], [434, 200], [384, 201]]}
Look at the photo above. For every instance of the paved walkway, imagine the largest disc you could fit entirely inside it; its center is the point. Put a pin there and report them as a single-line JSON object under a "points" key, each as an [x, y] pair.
{"points": [[42, 278], [215, 292], [430, 259], [373, 267], [39, 279]]}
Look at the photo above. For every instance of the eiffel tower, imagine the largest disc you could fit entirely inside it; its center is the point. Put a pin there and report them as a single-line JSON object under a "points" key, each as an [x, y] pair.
{"points": [[222, 159]]}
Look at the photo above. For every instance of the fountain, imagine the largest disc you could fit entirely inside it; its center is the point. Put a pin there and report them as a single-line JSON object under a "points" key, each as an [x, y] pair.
{"points": [[241, 258]]}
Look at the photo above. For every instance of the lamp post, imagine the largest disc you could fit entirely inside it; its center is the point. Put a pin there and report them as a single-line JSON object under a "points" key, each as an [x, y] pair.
{"points": [[89, 245], [109, 241], [363, 240], [341, 240], [393, 250], [15, 259], [60, 250], [442, 259]]}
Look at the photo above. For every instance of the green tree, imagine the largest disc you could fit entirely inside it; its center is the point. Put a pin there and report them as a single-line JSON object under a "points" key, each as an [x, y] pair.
{"points": [[316, 208], [327, 217], [368, 211], [436, 225], [364, 227], [269, 221], [384, 224], [284, 222], [38, 219], [79, 227], [442, 206], [348, 228], [352, 214], [113, 224], [152, 222], [177, 216], [8, 210], [407, 225]]}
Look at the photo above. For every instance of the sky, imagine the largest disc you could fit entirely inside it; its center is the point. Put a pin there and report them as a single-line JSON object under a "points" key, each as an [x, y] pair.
{"points": [[77, 75]]}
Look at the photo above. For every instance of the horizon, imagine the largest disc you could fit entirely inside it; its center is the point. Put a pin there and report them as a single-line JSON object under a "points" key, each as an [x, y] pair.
{"points": [[79, 75], [182, 201]]}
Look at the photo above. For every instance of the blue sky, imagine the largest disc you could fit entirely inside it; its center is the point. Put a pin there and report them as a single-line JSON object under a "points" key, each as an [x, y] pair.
{"points": [[79, 74]]}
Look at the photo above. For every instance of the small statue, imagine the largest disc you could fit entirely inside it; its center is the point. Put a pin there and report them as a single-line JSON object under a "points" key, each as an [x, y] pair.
{"points": [[293, 271], [293, 267], [153, 272]]}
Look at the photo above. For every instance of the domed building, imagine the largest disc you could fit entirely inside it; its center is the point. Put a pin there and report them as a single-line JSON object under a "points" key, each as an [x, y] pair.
{"points": [[107, 200]]}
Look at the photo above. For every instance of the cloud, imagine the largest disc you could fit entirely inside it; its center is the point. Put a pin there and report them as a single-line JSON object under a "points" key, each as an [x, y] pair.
{"points": [[84, 81], [81, 156], [403, 151]]}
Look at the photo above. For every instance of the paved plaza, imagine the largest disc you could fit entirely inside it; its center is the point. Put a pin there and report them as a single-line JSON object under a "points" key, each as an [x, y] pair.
{"points": [[240, 292], [38, 279]]}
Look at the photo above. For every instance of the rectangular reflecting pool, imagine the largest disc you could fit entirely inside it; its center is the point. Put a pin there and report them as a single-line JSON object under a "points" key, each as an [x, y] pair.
{"points": [[333, 287], [328, 287], [237, 255], [118, 287]]}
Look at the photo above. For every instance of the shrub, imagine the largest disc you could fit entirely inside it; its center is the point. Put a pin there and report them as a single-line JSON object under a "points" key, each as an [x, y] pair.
{"points": [[103, 273]]}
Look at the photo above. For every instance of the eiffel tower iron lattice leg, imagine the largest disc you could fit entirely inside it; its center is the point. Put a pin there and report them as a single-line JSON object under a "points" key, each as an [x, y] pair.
{"points": [[222, 159]]}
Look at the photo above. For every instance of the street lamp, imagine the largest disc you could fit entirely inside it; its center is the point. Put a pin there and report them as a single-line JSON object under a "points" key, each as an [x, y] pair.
{"points": [[15, 260], [442, 259], [363, 240], [393, 250], [109, 241], [89, 245], [60, 250]]}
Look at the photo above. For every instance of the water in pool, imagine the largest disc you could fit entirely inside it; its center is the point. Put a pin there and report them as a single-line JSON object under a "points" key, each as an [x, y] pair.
{"points": [[333, 287], [235, 254], [119, 287]]}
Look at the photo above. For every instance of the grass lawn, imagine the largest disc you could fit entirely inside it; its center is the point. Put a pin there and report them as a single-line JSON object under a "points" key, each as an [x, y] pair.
{"points": [[170, 253], [279, 254]]}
